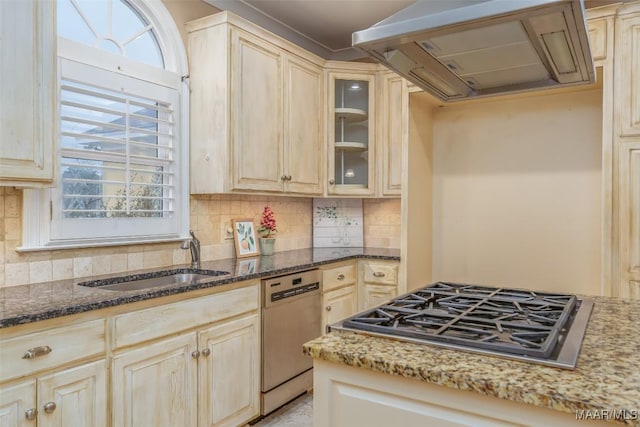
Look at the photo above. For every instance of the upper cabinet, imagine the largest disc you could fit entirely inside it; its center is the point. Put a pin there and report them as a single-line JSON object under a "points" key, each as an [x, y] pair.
{"points": [[257, 110], [393, 133], [352, 118], [628, 62], [27, 84]]}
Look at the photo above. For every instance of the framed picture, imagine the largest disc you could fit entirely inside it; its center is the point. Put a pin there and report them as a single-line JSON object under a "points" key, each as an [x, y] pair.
{"points": [[244, 236]]}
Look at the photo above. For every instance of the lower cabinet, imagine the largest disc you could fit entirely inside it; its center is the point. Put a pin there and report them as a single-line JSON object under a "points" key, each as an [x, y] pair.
{"points": [[339, 292], [204, 372], [206, 378], [339, 304], [354, 286], [155, 385], [192, 362], [73, 397], [377, 282], [229, 372]]}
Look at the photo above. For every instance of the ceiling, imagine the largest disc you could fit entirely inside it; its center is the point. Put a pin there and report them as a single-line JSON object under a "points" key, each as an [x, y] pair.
{"points": [[321, 26], [324, 26]]}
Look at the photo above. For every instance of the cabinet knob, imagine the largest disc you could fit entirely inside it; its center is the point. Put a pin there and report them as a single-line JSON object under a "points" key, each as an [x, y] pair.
{"points": [[340, 277], [206, 352], [42, 350], [49, 407], [288, 177], [283, 177], [195, 354], [332, 181], [378, 274], [30, 414], [328, 308]]}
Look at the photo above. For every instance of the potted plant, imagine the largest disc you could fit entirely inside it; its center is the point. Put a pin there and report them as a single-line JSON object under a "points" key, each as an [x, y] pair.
{"points": [[267, 229]]}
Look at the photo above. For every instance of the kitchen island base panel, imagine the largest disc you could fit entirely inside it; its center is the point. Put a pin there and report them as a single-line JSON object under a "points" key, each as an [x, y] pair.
{"points": [[346, 396]]}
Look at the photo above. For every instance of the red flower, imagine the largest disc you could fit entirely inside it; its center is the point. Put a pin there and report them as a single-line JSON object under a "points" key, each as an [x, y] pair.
{"points": [[268, 222]]}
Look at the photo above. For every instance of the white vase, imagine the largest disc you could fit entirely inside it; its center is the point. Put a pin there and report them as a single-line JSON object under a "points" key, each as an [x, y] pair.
{"points": [[266, 245]]}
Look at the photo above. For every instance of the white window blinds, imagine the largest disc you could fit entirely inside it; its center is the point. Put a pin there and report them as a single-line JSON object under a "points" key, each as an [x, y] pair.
{"points": [[117, 151]]}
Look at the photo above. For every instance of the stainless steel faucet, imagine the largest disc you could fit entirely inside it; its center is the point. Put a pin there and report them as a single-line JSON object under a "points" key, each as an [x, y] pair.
{"points": [[194, 245]]}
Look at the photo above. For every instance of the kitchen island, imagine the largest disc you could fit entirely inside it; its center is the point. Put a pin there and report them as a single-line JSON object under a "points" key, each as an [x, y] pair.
{"points": [[387, 382]]}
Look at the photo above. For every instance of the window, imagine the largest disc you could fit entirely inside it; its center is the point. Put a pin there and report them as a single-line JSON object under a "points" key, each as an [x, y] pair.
{"points": [[122, 175]]}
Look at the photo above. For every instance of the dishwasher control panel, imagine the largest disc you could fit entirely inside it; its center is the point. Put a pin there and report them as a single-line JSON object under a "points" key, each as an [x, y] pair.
{"points": [[281, 288]]}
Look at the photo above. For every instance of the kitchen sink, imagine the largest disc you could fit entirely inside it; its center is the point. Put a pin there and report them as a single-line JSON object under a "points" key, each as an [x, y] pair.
{"points": [[133, 283]]}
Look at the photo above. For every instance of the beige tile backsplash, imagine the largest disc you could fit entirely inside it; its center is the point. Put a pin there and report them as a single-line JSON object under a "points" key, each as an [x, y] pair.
{"points": [[210, 215]]}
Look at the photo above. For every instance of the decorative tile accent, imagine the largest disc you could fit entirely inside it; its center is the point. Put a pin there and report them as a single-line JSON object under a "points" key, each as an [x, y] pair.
{"points": [[337, 223]]}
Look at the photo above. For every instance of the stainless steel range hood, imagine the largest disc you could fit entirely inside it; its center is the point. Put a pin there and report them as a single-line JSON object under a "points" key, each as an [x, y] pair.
{"points": [[459, 49]]}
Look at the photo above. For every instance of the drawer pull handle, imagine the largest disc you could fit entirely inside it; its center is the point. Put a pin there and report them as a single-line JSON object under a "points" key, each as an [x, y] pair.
{"points": [[30, 414], [340, 277], [205, 352], [328, 308], [49, 407], [378, 274], [34, 352]]}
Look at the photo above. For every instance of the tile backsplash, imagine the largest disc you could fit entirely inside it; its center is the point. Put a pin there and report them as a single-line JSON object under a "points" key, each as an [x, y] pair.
{"points": [[210, 215]]}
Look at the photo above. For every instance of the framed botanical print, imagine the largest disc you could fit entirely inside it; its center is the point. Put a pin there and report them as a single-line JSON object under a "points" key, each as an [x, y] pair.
{"points": [[244, 236]]}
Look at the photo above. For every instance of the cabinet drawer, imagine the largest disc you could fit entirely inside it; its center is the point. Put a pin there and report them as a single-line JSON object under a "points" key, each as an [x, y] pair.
{"points": [[339, 276], [155, 322], [26, 354], [383, 274]]}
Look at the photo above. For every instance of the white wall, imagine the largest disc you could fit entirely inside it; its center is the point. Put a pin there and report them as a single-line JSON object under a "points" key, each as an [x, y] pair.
{"points": [[517, 192]]}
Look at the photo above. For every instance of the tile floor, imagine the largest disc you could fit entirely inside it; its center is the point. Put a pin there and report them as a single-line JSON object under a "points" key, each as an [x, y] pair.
{"points": [[298, 413]]}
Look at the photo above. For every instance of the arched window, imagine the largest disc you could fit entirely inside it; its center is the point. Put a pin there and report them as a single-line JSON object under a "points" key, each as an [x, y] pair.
{"points": [[123, 151]]}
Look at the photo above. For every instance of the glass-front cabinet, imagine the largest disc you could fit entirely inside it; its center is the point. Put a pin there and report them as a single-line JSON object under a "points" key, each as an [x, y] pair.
{"points": [[351, 130]]}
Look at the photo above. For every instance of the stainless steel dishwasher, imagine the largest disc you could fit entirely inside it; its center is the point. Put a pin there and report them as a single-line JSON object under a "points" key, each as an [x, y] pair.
{"points": [[290, 317]]}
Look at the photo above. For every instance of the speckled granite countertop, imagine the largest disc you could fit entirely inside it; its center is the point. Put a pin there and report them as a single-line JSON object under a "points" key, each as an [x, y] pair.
{"points": [[607, 375], [41, 301]]}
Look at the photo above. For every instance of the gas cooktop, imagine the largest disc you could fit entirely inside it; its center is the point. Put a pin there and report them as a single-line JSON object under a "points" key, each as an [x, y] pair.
{"points": [[519, 324]]}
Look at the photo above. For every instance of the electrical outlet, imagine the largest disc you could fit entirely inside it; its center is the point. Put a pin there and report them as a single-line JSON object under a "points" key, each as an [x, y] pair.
{"points": [[227, 231]]}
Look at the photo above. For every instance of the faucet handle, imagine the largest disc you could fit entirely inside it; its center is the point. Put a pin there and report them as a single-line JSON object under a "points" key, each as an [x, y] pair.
{"points": [[193, 236]]}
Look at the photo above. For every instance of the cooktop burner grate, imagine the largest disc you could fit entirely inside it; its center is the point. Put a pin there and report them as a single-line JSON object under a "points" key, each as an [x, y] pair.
{"points": [[496, 319]]}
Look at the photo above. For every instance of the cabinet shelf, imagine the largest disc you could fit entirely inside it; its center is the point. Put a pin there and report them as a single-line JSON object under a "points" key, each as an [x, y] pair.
{"points": [[351, 115], [351, 146]]}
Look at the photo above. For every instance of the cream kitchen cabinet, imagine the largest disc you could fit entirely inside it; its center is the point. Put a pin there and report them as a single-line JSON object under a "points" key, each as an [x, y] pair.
{"points": [[630, 225], [627, 61], [377, 282], [71, 397], [28, 87], [257, 110], [352, 130], [339, 292], [393, 133], [195, 362], [47, 380]]}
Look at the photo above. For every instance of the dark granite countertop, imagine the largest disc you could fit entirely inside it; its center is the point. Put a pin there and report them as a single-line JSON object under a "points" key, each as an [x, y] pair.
{"points": [[41, 301]]}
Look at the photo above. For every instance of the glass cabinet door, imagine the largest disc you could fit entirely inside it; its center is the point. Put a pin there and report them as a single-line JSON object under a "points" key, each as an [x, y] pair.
{"points": [[350, 163]]}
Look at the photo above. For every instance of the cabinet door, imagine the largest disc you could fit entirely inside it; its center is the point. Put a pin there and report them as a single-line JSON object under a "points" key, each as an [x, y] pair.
{"points": [[229, 389], [74, 397], [303, 121], [18, 405], [155, 385], [628, 60], [256, 114], [395, 108], [374, 295], [352, 121], [630, 219], [27, 84], [339, 304]]}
